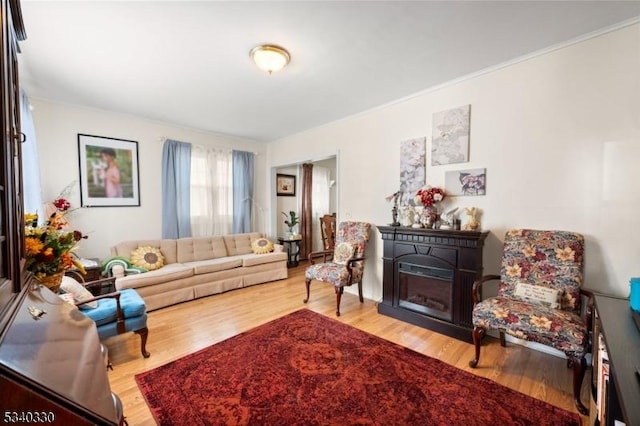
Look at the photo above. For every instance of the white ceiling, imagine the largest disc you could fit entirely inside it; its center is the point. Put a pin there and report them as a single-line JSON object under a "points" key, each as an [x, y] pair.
{"points": [[188, 63]]}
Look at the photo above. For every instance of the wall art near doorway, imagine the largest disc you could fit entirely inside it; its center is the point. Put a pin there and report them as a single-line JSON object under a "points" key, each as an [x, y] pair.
{"points": [[285, 185]]}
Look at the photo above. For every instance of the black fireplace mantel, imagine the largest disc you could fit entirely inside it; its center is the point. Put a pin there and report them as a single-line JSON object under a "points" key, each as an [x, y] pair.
{"points": [[457, 251]]}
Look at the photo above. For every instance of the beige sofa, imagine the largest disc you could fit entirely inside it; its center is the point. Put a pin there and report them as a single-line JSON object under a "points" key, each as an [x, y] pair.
{"points": [[198, 267]]}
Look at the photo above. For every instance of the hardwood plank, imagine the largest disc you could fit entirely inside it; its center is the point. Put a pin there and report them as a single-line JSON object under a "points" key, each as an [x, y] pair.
{"points": [[182, 329]]}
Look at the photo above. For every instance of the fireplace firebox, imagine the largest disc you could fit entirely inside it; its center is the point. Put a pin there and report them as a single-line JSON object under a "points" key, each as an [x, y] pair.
{"points": [[426, 290], [428, 276]]}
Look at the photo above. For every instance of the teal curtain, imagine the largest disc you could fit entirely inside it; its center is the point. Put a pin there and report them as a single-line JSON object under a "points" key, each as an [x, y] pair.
{"points": [[176, 189], [242, 191]]}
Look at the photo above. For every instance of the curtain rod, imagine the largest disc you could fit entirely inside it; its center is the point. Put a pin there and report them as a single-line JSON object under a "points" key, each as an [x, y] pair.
{"points": [[162, 139]]}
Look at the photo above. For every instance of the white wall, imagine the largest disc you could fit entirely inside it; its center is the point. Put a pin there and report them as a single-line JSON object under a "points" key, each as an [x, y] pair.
{"points": [[559, 135], [57, 126]]}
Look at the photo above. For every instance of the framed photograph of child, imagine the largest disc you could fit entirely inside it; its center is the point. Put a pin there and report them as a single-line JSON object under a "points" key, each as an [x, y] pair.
{"points": [[108, 172]]}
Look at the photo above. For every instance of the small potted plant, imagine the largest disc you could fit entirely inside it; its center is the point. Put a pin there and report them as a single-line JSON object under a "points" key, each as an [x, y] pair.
{"points": [[291, 221]]}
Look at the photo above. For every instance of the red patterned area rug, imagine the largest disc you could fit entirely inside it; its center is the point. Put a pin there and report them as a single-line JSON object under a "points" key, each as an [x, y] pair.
{"points": [[307, 369]]}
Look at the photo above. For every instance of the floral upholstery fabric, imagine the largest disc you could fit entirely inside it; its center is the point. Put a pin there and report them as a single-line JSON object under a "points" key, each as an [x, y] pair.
{"points": [[557, 328], [355, 233], [552, 259]]}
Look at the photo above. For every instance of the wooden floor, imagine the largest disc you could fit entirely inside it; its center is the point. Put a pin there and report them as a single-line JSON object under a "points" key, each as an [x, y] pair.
{"points": [[182, 329]]}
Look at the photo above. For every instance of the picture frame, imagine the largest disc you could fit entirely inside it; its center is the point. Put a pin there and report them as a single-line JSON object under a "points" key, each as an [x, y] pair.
{"points": [[109, 172], [285, 185], [470, 182]]}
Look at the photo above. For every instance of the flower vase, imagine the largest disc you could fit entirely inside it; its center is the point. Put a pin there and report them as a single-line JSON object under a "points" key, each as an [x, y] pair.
{"points": [[52, 282]]}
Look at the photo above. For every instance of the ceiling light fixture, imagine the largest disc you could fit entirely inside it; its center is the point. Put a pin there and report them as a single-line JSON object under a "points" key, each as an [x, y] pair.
{"points": [[269, 57]]}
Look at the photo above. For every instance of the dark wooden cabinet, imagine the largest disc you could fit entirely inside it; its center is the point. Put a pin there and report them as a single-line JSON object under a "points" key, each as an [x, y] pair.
{"points": [[11, 215], [613, 321], [52, 368], [428, 276], [51, 363]]}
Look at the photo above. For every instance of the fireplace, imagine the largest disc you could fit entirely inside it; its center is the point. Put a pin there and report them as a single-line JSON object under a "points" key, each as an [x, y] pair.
{"points": [[428, 275], [426, 290]]}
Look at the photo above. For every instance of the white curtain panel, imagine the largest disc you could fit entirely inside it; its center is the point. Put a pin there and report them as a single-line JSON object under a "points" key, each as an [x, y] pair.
{"points": [[320, 201], [211, 192], [32, 187]]}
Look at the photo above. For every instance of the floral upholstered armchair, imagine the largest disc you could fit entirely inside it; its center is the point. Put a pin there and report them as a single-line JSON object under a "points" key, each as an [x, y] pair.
{"points": [[539, 297], [344, 265]]}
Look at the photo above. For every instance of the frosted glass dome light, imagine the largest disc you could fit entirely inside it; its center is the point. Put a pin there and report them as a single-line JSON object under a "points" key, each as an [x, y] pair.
{"points": [[270, 58]]}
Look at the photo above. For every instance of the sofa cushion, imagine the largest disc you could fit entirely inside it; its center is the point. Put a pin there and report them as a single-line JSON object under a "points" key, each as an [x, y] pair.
{"points": [[167, 247], [194, 249], [538, 294], [130, 301], [343, 253], [171, 272], [562, 330], [79, 292], [240, 243], [261, 246], [214, 265], [259, 259], [147, 257]]}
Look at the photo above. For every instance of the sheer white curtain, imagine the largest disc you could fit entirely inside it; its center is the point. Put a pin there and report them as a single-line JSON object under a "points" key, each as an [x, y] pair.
{"points": [[321, 201], [211, 191]]}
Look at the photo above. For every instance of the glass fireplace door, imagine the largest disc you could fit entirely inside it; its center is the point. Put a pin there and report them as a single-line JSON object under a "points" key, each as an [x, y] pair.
{"points": [[426, 290]]}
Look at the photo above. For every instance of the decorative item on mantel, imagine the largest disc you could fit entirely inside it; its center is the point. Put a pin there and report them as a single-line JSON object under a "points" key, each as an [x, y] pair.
{"points": [[473, 223], [48, 247], [429, 196], [448, 219], [394, 211]]}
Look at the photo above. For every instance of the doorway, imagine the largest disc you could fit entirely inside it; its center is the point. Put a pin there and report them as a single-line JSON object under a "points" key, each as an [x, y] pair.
{"points": [[324, 195]]}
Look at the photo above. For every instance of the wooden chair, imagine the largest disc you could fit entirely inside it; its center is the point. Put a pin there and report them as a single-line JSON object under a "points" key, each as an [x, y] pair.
{"points": [[328, 231], [118, 312], [344, 265], [539, 298]]}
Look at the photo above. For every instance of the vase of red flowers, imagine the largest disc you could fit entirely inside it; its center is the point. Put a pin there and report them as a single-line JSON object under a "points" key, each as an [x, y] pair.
{"points": [[429, 197]]}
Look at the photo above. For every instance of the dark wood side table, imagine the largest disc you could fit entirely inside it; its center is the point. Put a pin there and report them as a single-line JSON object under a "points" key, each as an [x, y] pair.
{"points": [[293, 250], [93, 272], [622, 340]]}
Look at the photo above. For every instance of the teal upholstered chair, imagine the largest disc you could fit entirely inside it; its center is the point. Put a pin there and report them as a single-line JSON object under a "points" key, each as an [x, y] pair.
{"points": [[539, 298], [344, 264], [117, 312]]}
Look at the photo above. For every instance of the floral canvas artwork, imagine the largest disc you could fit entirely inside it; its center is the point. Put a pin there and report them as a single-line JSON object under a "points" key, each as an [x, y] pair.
{"points": [[412, 168], [450, 136], [466, 182]]}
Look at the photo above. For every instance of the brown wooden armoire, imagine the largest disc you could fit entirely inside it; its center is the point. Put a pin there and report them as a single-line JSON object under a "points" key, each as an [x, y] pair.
{"points": [[52, 366]]}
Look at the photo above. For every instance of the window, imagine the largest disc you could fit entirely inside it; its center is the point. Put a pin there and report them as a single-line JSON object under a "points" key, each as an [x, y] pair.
{"points": [[211, 191]]}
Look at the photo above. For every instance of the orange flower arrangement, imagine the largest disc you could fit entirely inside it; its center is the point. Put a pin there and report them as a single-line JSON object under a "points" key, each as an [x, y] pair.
{"points": [[48, 247]]}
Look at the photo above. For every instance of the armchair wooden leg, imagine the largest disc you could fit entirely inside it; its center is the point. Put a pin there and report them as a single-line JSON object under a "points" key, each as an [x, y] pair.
{"points": [[308, 283], [360, 292], [144, 333], [579, 367], [478, 334], [503, 342], [339, 291]]}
